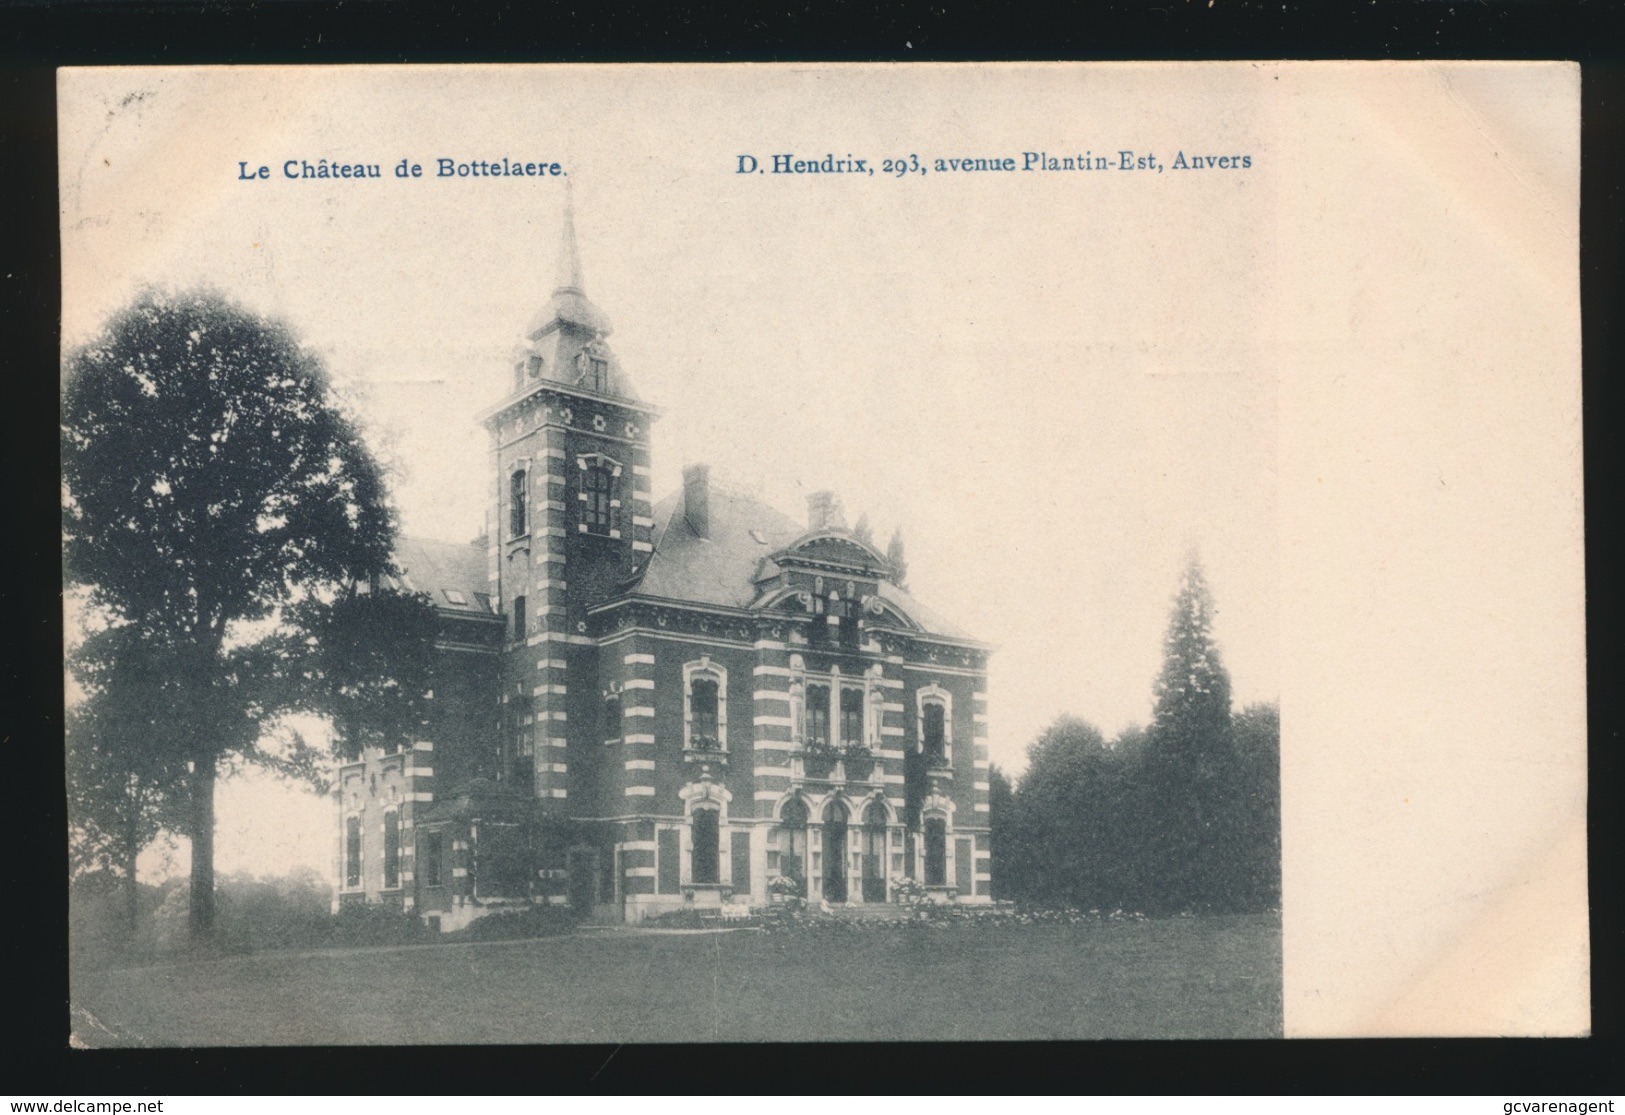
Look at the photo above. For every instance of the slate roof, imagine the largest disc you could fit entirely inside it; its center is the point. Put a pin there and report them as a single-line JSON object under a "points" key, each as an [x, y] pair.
{"points": [[436, 568], [724, 568]]}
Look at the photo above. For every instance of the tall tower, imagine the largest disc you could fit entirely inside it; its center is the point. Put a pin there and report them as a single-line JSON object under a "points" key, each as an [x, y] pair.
{"points": [[569, 525]]}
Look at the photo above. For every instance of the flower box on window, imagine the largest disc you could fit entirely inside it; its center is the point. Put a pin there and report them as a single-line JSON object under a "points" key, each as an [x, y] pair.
{"points": [[859, 763], [820, 763]]}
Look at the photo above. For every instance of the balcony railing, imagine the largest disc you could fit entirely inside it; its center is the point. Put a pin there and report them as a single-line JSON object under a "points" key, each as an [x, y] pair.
{"points": [[833, 766], [705, 748]]}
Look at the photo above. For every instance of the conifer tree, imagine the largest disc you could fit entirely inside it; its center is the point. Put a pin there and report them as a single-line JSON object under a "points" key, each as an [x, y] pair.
{"points": [[897, 559], [1189, 775]]}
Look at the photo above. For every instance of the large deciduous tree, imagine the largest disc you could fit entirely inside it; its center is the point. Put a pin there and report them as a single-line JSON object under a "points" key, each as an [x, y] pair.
{"points": [[120, 787], [209, 478], [365, 660], [1064, 843]]}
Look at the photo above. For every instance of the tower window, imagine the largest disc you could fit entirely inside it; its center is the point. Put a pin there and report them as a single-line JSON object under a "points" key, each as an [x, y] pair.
{"points": [[519, 617], [594, 370], [535, 367], [598, 490], [518, 504], [612, 716]]}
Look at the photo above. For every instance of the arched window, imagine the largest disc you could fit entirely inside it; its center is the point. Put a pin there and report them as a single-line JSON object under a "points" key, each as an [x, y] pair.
{"points": [[852, 717], [612, 716], [392, 850], [519, 617], [706, 837], [702, 703], [705, 717], [936, 852], [792, 836], [818, 716], [597, 491], [518, 504], [352, 852], [933, 732], [836, 816], [874, 851]]}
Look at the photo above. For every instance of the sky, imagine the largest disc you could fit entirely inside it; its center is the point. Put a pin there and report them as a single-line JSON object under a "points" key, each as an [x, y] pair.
{"points": [[1057, 385]]}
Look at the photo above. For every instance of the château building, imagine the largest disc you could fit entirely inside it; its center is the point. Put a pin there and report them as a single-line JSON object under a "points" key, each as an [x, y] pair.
{"points": [[642, 707]]}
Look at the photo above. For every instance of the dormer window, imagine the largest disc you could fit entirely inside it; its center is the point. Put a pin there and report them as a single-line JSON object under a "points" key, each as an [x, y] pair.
{"points": [[594, 371], [518, 504], [534, 367], [847, 612]]}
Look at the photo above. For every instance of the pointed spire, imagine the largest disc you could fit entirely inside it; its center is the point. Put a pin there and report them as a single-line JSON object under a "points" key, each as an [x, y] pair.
{"points": [[569, 304], [569, 280]]}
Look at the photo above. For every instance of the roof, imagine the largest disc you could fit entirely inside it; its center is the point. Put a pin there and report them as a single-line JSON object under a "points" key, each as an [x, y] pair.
{"points": [[927, 618], [452, 574], [724, 568]]}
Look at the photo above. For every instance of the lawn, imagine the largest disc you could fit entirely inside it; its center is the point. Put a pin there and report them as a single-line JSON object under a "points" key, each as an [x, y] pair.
{"points": [[1179, 978]]}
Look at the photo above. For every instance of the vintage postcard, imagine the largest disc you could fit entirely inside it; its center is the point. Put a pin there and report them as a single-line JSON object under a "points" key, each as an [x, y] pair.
{"points": [[823, 552]]}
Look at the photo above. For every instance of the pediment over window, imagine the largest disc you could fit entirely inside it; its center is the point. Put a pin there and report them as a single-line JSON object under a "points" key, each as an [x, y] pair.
{"points": [[827, 548]]}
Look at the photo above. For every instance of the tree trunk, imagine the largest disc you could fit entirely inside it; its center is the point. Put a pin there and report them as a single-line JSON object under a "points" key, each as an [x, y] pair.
{"points": [[132, 890], [201, 913]]}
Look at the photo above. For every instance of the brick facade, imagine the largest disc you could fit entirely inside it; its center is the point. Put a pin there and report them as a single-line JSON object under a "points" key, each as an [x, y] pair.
{"points": [[645, 708]]}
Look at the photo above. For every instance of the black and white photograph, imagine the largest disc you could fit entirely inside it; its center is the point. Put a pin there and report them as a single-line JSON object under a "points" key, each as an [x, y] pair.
{"points": [[581, 554]]}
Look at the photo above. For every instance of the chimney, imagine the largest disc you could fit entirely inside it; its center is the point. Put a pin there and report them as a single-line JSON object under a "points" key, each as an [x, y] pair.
{"points": [[697, 499], [824, 512]]}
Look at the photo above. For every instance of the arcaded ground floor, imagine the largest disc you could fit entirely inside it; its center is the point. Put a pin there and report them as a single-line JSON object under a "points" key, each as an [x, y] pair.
{"points": [[1178, 978]]}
